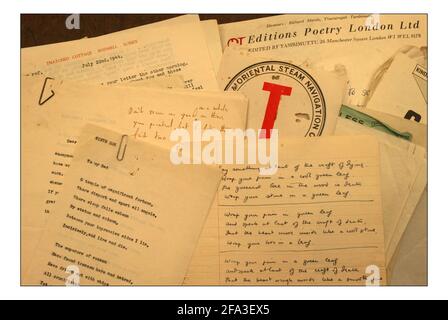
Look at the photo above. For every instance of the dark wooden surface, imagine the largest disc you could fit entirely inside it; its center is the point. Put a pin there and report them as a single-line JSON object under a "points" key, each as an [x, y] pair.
{"points": [[39, 29]]}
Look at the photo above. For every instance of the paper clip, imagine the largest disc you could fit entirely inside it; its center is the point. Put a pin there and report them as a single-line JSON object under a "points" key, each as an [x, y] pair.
{"points": [[122, 147], [42, 92]]}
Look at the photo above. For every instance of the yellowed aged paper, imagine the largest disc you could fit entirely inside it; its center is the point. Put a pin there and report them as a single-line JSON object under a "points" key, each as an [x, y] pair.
{"points": [[116, 222], [403, 90], [419, 183], [174, 82], [141, 53], [409, 265], [418, 54], [306, 102], [403, 177], [213, 39], [359, 42], [50, 131], [317, 221]]}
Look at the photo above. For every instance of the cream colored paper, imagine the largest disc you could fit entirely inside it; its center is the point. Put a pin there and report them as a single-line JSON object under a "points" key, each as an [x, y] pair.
{"points": [[361, 43], [311, 108], [175, 82], [403, 176], [147, 52], [50, 131], [403, 90], [116, 220], [419, 55], [409, 266], [292, 228], [213, 39]]}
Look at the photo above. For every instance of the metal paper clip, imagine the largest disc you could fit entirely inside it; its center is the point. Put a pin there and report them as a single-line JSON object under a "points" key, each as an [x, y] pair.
{"points": [[42, 92], [122, 147]]}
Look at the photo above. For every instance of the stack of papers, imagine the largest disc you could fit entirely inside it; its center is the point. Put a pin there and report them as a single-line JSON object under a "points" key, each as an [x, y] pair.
{"points": [[288, 150]]}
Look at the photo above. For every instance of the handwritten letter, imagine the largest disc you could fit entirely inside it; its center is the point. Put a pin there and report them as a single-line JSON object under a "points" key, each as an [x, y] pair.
{"points": [[317, 221], [50, 132]]}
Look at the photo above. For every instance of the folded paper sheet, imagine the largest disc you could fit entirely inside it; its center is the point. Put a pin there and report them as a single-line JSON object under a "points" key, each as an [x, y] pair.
{"points": [[359, 42], [403, 177], [297, 101], [50, 131], [213, 39], [345, 207], [409, 266], [157, 50], [403, 90], [318, 221], [116, 222]]}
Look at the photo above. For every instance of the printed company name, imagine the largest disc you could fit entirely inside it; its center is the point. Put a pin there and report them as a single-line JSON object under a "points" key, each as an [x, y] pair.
{"points": [[308, 31], [302, 81], [262, 37]]}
